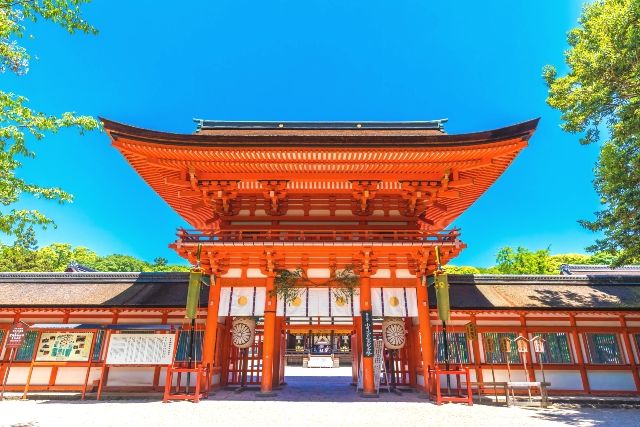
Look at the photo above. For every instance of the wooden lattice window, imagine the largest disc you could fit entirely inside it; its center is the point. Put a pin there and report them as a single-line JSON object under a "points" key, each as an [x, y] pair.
{"points": [[184, 342], [603, 349], [25, 352], [97, 348], [457, 346], [494, 354], [556, 347]]}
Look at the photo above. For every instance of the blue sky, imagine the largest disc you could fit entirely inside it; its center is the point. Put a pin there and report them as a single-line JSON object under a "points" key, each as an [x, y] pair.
{"points": [[157, 64]]}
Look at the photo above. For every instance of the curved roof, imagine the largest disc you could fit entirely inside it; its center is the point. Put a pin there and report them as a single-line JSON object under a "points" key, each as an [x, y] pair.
{"points": [[468, 292], [320, 159]]}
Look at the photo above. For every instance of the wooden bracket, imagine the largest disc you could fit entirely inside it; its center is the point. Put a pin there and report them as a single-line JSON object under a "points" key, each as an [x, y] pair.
{"points": [[363, 191], [276, 193]]}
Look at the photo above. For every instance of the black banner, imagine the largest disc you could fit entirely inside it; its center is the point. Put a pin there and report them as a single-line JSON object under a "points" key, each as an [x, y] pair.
{"points": [[367, 334]]}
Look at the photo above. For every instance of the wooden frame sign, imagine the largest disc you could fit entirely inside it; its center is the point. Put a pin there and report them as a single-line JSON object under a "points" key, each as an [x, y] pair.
{"points": [[64, 347], [141, 349], [16, 335]]}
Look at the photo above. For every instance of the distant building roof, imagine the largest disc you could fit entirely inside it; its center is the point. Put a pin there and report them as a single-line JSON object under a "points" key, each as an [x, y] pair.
{"points": [[74, 267], [591, 270], [468, 292]]}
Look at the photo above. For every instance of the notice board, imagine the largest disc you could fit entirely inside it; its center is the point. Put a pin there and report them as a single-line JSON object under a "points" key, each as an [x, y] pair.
{"points": [[64, 347], [140, 349]]}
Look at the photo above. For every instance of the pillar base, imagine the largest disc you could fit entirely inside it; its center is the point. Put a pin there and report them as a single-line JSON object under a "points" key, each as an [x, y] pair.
{"points": [[263, 394], [369, 395]]}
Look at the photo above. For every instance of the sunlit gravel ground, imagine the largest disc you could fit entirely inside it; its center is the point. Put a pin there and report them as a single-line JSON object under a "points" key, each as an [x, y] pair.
{"points": [[311, 397]]}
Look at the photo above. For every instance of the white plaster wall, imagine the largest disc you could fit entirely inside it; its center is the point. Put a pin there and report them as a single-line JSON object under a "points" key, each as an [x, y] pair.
{"points": [[531, 323], [133, 376], [561, 380], [484, 322], [18, 376], [590, 323], [502, 375], [71, 376], [611, 380]]}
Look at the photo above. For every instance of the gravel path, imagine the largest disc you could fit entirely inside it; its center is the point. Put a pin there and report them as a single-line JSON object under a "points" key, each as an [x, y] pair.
{"points": [[305, 401]]}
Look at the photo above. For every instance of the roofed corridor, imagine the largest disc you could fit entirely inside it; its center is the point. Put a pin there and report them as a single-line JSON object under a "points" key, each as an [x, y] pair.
{"points": [[318, 235]]}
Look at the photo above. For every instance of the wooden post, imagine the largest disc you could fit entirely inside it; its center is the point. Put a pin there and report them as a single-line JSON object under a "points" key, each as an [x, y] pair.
{"points": [[266, 383], [475, 345], [426, 334], [277, 344], [368, 384], [630, 356], [579, 356], [410, 352], [356, 339], [211, 328]]}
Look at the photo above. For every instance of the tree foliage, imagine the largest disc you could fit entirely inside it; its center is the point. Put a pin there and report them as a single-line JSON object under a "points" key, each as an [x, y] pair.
{"points": [[25, 255], [19, 123], [525, 261], [602, 91]]}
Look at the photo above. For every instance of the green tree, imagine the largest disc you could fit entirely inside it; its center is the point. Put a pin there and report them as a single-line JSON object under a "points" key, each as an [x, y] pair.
{"points": [[19, 123], [602, 91], [524, 261], [24, 255]]}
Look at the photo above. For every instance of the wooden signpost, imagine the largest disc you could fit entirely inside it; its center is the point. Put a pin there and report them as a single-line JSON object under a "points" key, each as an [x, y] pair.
{"points": [[137, 349], [58, 348], [15, 338]]}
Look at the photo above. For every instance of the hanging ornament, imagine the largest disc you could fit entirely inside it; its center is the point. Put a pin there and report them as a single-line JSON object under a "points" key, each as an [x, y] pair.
{"points": [[441, 285], [393, 333], [193, 293], [243, 331], [442, 296]]}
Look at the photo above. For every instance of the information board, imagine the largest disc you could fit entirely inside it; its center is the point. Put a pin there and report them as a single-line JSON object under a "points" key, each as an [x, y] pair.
{"points": [[378, 363], [16, 335], [64, 347], [140, 349], [367, 333]]}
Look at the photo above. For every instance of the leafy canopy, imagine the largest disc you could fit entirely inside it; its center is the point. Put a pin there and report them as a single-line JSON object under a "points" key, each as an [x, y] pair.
{"points": [[25, 255], [19, 123], [524, 261], [601, 91]]}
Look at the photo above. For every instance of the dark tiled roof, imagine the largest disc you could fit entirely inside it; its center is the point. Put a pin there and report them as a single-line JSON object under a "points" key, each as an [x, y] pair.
{"points": [[467, 291], [75, 267], [221, 124], [544, 292], [591, 270], [95, 289]]}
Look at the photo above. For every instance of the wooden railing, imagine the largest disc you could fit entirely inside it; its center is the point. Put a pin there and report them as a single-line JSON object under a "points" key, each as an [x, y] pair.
{"points": [[194, 236]]}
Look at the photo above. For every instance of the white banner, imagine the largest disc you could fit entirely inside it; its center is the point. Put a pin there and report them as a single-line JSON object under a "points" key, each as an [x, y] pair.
{"points": [[242, 301], [319, 302], [394, 302]]}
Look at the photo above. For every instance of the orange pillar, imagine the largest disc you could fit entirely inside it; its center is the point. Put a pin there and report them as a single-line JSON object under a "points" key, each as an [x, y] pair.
{"points": [[356, 341], [411, 352], [211, 327], [277, 345], [426, 335], [266, 383], [368, 384], [579, 356]]}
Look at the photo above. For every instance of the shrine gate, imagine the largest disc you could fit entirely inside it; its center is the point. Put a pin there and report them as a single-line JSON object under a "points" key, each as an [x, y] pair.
{"points": [[263, 197]]}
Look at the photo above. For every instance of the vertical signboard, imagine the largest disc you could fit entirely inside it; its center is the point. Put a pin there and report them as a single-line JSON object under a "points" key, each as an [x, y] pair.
{"points": [[16, 334], [367, 333]]}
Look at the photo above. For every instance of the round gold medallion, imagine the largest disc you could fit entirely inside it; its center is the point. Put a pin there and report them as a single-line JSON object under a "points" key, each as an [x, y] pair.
{"points": [[394, 301], [242, 300], [296, 302], [340, 302]]}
